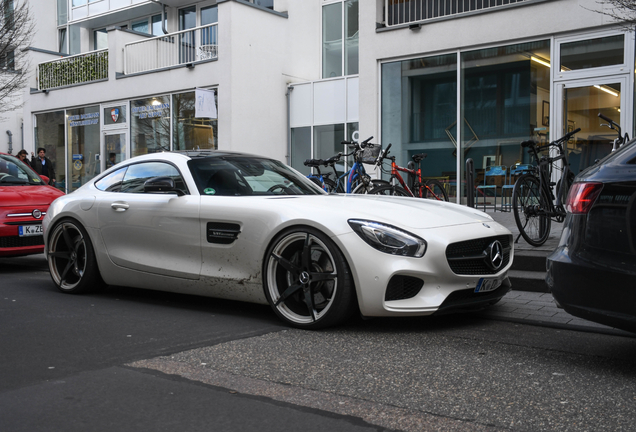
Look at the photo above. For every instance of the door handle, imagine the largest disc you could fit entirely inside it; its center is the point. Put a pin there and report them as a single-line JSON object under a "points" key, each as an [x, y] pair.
{"points": [[119, 206]]}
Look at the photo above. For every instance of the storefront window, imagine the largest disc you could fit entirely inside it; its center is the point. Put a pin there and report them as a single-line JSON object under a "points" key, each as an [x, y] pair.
{"points": [[150, 125], [83, 138], [49, 134], [506, 94], [190, 132], [419, 113]]}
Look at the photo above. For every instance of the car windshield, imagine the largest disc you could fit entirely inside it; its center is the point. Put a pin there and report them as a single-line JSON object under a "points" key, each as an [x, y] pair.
{"points": [[14, 172], [241, 175]]}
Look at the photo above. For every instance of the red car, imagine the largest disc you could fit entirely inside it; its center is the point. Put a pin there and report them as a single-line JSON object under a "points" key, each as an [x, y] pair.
{"points": [[24, 199]]}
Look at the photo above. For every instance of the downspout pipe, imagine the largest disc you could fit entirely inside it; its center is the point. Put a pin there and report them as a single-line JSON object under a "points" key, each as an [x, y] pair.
{"points": [[163, 16], [10, 141], [289, 143]]}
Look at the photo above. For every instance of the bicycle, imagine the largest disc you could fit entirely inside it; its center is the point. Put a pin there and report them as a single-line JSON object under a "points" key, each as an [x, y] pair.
{"points": [[320, 179], [416, 187], [533, 196], [621, 139]]}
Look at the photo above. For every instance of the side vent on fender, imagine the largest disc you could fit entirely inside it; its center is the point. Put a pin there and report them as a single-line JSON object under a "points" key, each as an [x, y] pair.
{"points": [[222, 232]]}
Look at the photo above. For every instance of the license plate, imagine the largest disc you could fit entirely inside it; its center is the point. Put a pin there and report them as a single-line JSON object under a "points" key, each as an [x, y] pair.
{"points": [[29, 230], [485, 285]]}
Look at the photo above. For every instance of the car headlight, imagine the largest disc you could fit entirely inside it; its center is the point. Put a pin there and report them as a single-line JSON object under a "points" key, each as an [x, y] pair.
{"points": [[389, 239]]}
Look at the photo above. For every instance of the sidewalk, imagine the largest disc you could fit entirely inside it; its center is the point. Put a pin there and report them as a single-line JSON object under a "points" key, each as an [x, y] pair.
{"points": [[538, 308]]}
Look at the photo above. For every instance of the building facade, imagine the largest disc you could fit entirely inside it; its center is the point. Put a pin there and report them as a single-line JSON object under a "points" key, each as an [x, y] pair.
{"points": [[291, 79]]}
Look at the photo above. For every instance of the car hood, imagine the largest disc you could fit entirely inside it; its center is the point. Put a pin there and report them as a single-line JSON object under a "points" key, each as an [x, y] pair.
{"points": [[414, 213], [27, 195]]}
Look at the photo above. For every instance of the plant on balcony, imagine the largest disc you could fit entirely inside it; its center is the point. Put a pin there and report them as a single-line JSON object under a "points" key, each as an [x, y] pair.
{"points": [[74, 70]]}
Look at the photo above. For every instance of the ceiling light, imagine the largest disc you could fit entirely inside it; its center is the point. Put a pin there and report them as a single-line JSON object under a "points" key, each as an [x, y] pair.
{"points": [[606, 90], [538, 60]]}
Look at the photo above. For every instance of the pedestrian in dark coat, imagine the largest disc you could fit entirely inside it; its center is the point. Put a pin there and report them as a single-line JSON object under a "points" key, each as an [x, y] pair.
{"points": [[43, 165]]}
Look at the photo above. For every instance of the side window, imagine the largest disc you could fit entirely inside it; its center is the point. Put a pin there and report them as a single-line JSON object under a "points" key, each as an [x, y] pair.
{"points": [[138, 174], [112, 182]]}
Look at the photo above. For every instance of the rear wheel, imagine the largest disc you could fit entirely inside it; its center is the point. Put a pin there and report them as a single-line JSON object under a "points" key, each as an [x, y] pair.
{"points": [[330, 185], [529, 205], [71, 258], [368, 186], [390, 190], [434, 190], [307, 280]]}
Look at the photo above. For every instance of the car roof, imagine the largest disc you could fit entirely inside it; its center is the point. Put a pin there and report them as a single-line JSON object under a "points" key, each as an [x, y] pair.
{"points": [[205, 153]]}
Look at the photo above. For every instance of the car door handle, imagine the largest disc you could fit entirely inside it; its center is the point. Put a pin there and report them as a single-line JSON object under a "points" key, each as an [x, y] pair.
{"points": [[120, 207]]}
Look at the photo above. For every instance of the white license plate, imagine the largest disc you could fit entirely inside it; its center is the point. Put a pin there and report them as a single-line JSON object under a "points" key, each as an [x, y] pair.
{"points": [[29, 230], [485, 285]]}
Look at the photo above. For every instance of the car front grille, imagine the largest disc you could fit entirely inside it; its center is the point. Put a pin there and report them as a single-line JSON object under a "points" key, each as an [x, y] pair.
{"points": [[471, 257], [403, 287], [16, 241]]}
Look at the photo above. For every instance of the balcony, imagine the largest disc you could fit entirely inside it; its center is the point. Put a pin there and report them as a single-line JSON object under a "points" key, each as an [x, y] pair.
{"points": [[73, 70], [173, 49], [398, 12]]}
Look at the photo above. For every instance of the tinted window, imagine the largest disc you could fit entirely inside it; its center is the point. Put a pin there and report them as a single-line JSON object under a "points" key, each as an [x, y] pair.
{"points": [[137, 175], [112, 182], [231, 176]]}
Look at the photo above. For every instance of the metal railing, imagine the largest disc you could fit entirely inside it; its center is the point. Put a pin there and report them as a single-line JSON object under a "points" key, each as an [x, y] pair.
{"points": [[72, 70], [409, 11], [183, 47]]}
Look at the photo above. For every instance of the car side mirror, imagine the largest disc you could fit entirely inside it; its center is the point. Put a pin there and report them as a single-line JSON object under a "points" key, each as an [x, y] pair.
{"points": [[45, 179], [161, 184]]}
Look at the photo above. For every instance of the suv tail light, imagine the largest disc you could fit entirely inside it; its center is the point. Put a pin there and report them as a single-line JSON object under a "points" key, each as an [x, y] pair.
{"points": [[582, 196]]}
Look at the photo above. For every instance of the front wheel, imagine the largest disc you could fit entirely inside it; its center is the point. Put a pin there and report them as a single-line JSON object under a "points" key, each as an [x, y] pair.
{"points": [[71, 258], [529, 205], [306, 279], [368, 187], [434, 190], [390, 190]]}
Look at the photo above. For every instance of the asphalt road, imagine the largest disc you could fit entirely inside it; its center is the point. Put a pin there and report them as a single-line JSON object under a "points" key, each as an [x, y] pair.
{"points": [[138, 360]]}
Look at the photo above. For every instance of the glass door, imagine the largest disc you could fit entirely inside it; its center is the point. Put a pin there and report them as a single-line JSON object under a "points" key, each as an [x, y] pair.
{"points": [[113, 148], [583, 101]]}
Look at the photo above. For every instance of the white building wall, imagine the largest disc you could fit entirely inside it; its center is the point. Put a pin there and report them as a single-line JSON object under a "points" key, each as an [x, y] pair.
{"points": [[46, 27]]}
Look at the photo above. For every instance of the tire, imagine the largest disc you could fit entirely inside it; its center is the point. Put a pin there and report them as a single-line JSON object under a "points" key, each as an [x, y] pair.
{"points": [[368, 188], [437, 191], [528, 205], [390, 190], [306, 279], [71, 259], [331, 185]]}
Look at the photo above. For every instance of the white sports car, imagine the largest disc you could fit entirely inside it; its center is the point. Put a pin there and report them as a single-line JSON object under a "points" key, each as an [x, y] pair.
{"points": [[249, 228]]}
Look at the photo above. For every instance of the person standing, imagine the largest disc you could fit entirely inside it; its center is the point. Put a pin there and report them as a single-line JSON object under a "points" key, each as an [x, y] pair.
{"points": [[43, 165], [24, 157]]}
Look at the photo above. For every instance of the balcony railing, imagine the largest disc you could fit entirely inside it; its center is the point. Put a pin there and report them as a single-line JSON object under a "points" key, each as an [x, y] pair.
{"points": [[410, 11], [173, 49], [77, 69]]}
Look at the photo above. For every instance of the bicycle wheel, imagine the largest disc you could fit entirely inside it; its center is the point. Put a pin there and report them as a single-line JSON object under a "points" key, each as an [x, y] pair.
{"points": [[434, 190], [529, 205], [367, 188], [390, 190], [331, 185]]}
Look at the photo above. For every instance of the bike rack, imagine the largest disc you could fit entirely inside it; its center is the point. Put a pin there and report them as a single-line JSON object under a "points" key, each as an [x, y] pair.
{"points": [[470, 183]]}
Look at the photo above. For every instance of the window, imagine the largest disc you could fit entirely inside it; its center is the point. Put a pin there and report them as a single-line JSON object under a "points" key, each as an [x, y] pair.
{"points": [[340, 39], [100, 39], [150, 125], [112, 182], [190, 132], [137, 175], [83, 127], [606, 51], [7, 60], [49, 133], [150, 25]]}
